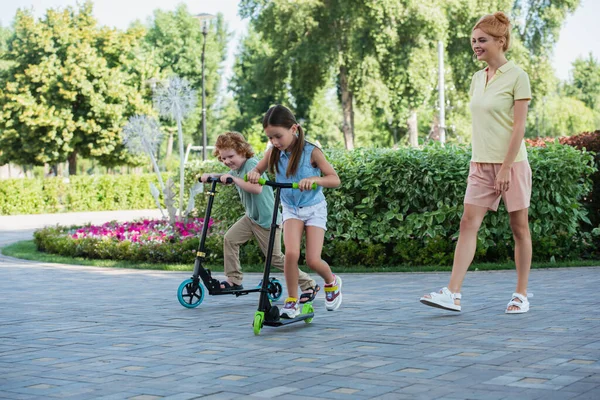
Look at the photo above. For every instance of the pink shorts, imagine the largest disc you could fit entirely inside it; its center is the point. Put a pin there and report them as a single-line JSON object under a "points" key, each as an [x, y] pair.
{"points": [[480, 186]]}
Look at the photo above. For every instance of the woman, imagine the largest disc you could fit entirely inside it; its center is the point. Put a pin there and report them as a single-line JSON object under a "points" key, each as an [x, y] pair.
{"points": [[500, 95]]}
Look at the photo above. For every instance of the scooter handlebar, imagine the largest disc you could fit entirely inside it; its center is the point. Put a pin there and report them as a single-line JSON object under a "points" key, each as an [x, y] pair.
{"points": [[212, 179], [293, 185]]}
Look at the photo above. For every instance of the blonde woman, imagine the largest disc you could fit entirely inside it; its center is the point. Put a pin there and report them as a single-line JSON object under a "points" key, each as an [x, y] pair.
{"points": [[500, 94]]}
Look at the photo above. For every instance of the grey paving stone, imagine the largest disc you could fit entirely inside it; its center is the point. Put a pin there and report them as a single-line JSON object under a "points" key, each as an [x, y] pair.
{"points": [[93, 333]]}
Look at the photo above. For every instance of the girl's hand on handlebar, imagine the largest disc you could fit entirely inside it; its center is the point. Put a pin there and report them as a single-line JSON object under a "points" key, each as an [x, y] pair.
{"points": [[253, 176], [307, 183]]}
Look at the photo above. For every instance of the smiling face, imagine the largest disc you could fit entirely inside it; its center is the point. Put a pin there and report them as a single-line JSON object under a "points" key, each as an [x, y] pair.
{"points": [[485, 46], [281, 138], [231, 158]]}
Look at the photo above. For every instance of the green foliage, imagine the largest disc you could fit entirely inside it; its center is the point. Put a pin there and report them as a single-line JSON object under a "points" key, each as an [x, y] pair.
{"points": [[78, 193], [584, 84], [258, 82], [67, 86], [558, 115], [5, 34], [175, 40], [417, 196], [590, 142], [539, 22], [68, 91]]}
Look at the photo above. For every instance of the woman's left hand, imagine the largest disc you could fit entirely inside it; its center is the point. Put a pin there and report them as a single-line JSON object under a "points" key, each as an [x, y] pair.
{"points": [[502, 183]]}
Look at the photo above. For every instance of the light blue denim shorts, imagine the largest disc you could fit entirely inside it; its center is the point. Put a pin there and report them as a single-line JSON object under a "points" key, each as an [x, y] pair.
{"points": [[311, 216]]}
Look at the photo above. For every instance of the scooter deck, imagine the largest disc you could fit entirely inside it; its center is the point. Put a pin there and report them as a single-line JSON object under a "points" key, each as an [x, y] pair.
{"points": [[287, 321], [240, 292]]}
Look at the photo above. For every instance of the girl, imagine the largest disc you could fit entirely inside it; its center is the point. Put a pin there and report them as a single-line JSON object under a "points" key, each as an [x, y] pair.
{"points": [[293, 159], [236, 153], [500, 94]]}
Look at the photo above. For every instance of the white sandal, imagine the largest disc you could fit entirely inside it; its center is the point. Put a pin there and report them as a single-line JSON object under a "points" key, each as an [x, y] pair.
{"points": [[443, 299], [523, 306]]}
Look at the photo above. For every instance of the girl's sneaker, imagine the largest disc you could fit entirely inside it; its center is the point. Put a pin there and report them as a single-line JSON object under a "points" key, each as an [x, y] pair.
{"points": [[290, 309], [333, 294]]}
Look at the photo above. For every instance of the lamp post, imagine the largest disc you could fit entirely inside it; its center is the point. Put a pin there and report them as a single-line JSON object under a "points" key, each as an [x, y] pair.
{"points": [[204, 20]]}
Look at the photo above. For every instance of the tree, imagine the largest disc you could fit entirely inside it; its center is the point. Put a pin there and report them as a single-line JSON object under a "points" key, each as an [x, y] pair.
{"points": [[584, 83], [406, 56], [5, 34], [259, 80], [175, 39], [68, 92], [310, 39], [562, 116]]}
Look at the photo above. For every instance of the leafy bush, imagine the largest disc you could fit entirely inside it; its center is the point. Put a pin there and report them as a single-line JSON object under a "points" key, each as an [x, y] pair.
{"points": [[588, 141], [404, 206], [398, 207], [78, 193]]}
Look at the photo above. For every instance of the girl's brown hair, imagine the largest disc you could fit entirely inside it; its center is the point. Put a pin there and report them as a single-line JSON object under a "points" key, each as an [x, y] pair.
{"points": [[234, 141], [496, 25], [281, 116]]}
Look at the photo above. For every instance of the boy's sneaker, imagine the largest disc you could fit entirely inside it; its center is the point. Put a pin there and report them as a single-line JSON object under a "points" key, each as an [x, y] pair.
{"points": [[333, 294], [290, 309]]}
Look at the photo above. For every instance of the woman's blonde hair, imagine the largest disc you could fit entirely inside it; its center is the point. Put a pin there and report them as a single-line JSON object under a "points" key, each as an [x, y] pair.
{"points": [[233, 141], [496, 25]]}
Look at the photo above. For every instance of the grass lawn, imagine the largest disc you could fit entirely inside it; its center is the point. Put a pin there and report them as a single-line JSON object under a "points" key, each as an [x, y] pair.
{"points": [[26, 250]]}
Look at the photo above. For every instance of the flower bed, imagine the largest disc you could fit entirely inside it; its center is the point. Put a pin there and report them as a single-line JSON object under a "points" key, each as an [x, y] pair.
{"points": [[155, 230], [147, 241]]}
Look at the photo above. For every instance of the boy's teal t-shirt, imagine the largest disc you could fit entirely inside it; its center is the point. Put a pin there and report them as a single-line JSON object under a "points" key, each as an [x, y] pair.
{"points": [[259, 207]]}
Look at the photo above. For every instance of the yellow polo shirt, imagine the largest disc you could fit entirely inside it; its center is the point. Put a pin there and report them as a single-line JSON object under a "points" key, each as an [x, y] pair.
{"points": [[492, 112]]}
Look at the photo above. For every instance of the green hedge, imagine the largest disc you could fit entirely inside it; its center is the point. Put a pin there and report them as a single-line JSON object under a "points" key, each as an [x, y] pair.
{"points": [[401, 207], [404, 206], [78, 193], [589, 141]]}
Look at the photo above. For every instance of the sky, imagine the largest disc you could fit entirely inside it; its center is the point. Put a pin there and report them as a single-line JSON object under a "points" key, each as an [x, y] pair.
{"points": [[578, 37]]}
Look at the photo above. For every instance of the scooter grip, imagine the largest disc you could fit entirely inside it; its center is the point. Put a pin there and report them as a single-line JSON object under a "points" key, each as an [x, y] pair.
{"points": [[214, 179], [313, 187], [261, 181]]}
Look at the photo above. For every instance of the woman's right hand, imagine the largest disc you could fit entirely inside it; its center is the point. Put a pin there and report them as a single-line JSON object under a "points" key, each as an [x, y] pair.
{"points": [[253, 176]]}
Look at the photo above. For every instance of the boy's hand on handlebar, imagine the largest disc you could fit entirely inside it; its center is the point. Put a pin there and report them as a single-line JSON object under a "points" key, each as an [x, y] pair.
{"points": [[204, 177], [224, 178], [307, 183], [253, 176]]}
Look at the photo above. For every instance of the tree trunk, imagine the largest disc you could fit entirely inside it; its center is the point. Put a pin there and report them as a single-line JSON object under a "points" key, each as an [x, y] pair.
{"points": [[347, 109], [72, 163], [413, 133], [394, 131]]}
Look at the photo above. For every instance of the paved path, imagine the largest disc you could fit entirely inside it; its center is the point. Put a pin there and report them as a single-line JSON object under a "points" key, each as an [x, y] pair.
{"points": [[93, 333]]}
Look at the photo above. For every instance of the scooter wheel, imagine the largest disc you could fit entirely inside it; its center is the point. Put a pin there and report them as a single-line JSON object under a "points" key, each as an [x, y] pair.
{"points": [[274, 290], [307, 308], [259, 318], [190, 295]]}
